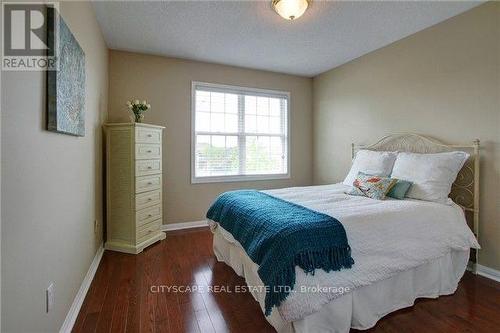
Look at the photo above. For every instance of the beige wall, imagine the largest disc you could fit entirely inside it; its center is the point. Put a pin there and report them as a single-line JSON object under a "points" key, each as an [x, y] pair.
{"points": [[166, 83], [442, 82], [51, 186]]}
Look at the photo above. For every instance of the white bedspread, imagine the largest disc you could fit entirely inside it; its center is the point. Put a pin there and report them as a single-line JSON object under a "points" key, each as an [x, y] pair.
{"points": [[386, 237]]}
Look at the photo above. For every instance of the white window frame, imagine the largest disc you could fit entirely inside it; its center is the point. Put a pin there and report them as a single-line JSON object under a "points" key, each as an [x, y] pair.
{"points": [[238, 90]]}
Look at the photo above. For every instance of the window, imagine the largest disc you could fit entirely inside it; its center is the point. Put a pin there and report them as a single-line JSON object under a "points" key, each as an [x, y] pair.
{"points": [[238, 133]]}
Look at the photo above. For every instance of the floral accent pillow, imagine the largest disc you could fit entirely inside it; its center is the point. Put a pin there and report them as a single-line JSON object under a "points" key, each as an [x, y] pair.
{"points": [[375, 187]]}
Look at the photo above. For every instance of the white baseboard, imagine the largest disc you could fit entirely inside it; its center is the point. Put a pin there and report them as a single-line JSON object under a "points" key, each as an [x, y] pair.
{"points": [[184, 225], [488, 272], [67, 326]]}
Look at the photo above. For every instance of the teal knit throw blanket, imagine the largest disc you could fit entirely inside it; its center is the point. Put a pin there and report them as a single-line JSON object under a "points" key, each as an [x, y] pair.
{"points": [[279, 235]]}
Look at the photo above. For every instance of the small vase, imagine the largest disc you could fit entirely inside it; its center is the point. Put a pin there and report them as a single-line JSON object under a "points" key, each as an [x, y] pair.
{"points": [[138, 117]]}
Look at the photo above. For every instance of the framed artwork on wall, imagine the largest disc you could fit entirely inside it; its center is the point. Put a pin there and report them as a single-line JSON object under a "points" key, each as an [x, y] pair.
{"points": [[66, 85]]}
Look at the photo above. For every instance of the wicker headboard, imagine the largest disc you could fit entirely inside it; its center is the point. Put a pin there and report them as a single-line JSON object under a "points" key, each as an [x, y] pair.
{"points": [[465, 189]]}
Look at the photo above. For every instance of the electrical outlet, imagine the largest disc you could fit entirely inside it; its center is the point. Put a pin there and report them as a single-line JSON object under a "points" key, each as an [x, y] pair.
{"points": [[49, 297]]}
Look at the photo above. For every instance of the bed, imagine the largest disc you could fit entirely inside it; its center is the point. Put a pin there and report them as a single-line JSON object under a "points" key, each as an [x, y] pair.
{"points": [[403, 249]]}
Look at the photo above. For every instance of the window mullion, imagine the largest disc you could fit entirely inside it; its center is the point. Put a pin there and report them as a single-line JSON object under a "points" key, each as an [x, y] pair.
{"points": [[284, 140], [241, 134]]}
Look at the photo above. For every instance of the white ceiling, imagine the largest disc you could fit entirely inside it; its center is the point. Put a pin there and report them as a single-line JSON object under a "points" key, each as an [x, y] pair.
{"points": [[250, 34]]}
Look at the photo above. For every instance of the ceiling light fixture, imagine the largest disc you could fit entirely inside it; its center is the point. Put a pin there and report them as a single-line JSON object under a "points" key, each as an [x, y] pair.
{"points": [[290, 9]]}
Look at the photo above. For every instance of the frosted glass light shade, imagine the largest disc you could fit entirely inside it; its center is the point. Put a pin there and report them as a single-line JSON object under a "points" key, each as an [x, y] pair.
{"points": [[290, 9]]}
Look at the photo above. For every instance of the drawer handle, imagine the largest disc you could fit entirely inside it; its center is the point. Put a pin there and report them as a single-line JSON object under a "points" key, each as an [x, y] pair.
{"points": [[149, 167], [149, 151], [150, 183], [150, 136], [149, 199]]}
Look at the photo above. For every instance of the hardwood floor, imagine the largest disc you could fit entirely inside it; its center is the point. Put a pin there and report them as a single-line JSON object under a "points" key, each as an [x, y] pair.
{"points": [[120, 298]]}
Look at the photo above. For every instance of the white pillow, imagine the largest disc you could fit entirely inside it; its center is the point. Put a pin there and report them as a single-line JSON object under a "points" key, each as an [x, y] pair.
{"points": [[431, 174], [377, 163]]}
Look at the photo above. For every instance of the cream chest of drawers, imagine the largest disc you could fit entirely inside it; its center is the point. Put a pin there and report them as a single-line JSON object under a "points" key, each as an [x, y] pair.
{"points": [[133, 186]]}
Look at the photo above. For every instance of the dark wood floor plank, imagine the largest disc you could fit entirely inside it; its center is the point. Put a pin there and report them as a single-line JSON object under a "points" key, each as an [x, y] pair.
{"points": [[126, 279], [110, 301], [121, 297], [99, 279], [147, 298], [133, 319], [98, 290]]}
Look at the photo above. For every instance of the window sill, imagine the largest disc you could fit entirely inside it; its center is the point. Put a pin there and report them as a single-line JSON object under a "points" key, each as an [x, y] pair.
{"points": [[233, 179]]}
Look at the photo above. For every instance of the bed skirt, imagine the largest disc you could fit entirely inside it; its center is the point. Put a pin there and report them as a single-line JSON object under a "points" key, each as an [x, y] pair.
{"points": [[361, 308]]}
